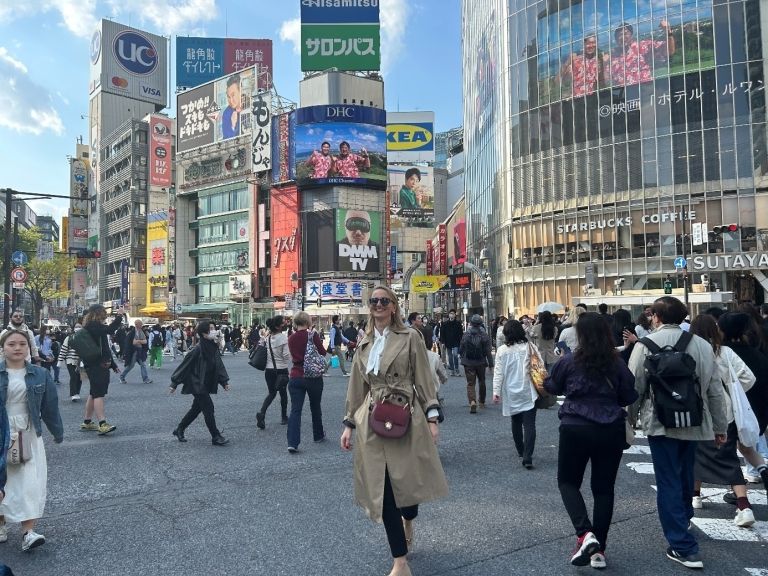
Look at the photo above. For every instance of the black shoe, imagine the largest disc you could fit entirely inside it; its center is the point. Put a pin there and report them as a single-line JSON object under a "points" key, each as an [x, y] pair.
{"points": [[528, 465], [260, 421], [284, 420], [690, 561], [729, 497], [179, 433], [319, 440], [219, 440], [764, 476]]}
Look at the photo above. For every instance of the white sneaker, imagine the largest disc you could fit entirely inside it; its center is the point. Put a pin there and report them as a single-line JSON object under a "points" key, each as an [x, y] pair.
{"points": [[598, 561], [697, 503], [75, 397], [3, 532], [752, 479], [744, 518], [32, 540]]}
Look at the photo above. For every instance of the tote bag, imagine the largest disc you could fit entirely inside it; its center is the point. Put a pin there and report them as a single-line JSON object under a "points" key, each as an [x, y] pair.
{"points": [[746, 421]]}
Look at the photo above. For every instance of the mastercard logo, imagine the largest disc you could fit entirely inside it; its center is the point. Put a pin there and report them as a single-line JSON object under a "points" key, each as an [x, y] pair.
{"points": [[119, 82]]}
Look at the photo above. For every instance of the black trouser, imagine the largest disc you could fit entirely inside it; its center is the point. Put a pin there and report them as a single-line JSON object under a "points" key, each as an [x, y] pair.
{"points": [[524, 433], [201, 403], [277, 381], [603, 446], [393, 519], [75, 382]]}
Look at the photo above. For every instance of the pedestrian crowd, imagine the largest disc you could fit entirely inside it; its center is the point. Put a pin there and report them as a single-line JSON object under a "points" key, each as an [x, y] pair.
{"points": [[698, 390]]}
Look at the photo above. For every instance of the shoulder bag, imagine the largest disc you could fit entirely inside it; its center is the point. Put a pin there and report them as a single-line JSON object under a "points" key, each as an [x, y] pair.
{"points": [[390, 417], [537, 374], [258, 356], [20, 449], [629, 429]]}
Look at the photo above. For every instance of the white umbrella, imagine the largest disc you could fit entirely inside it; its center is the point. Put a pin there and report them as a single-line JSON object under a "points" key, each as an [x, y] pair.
{"points": [[550, 307]]}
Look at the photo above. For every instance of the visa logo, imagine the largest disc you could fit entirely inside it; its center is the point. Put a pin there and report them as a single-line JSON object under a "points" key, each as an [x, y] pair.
{"points": [[411, 137], [149, 91]]}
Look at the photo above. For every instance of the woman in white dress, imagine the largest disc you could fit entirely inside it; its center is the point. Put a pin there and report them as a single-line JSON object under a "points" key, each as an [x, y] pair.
{"points": [[24, 386]]}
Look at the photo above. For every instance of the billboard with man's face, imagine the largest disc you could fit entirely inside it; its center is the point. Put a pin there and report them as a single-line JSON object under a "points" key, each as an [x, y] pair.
{"points": [[412, 196], [216, 111], [339, 144], [358, 237]]}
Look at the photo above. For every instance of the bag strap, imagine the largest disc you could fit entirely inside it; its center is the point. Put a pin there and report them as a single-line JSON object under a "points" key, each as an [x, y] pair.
{"points": [[683, 341], [650, 344], [271, 353]]}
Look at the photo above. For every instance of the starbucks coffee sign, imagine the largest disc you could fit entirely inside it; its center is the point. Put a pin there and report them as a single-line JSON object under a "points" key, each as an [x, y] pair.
{"points": [[725, 262], [626, 221]]}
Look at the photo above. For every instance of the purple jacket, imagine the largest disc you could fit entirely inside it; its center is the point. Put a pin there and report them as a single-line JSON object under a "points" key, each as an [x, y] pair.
{"points": [[591, 400]]}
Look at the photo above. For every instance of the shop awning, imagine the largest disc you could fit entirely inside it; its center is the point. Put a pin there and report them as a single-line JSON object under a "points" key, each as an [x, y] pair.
{"points": [[155, 309], [207, 307]]}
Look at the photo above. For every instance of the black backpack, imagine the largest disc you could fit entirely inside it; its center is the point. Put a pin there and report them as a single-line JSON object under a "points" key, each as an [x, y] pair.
{"points": [[674, 384], [473, 347]]}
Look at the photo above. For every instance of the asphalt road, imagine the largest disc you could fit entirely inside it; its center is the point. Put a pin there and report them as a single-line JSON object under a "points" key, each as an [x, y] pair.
{"points": [[139, 502]]}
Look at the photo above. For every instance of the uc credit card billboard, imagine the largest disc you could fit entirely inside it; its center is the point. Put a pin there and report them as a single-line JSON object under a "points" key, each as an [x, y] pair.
{"points": [[200, 60], [341, 145], [129, 62], [410, 137]]}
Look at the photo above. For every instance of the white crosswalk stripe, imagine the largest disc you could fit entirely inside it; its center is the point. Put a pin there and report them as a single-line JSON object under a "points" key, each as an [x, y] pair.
{"points": [[757, 571]]}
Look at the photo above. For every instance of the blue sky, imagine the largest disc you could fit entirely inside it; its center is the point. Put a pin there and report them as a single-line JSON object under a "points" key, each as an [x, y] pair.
{"points": [[44, 67]]}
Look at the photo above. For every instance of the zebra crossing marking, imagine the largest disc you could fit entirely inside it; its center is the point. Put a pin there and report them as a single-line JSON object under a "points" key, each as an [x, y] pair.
{"points": [[757, 571], [725, 529], [638, 449]]}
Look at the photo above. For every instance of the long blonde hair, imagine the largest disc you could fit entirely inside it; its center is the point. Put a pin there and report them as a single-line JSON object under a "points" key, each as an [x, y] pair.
{"points": [[397, 318]]}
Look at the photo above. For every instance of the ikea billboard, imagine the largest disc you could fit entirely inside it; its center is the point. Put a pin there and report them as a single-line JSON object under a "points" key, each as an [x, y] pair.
{"points": [[410, 137]]}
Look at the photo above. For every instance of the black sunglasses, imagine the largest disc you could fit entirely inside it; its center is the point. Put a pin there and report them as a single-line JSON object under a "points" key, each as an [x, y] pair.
{"points": [[383, 301], [357, 223]]}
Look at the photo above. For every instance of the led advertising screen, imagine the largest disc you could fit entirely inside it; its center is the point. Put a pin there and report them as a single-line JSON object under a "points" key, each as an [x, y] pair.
{"points": [[412, 194], [611, 48], [200, 60], [216, 111], [358, 237], [320, 241], [341, 144]]}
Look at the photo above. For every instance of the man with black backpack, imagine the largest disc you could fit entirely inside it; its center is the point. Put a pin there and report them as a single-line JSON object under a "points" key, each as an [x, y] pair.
{"points": [[476, 356], [681, 403]]}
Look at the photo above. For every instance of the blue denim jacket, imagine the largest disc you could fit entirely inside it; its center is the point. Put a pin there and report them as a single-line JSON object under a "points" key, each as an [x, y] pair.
{"points": [[42, 400]]}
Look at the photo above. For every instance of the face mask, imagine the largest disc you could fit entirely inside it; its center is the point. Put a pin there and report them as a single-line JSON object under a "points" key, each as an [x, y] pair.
{"points": [[211, 335], [452, 316], [78, 328]]}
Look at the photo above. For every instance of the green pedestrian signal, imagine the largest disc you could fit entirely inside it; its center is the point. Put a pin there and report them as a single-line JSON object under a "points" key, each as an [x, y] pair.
{"points": [[667, 287], [319, 302]]}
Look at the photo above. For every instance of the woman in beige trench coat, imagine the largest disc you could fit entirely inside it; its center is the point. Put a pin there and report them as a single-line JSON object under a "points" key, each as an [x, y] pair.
{"points": [[393, 475]]}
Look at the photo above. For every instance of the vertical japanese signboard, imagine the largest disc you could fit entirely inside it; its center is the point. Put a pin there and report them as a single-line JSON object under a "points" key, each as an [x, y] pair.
{"points": [[442, 235], [262, 132], [283, 149], [345, 37], [430, 260], [160, 151]]}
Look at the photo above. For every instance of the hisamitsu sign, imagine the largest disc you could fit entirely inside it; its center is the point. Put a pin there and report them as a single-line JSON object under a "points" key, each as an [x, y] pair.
{"points": [[339, 11]]}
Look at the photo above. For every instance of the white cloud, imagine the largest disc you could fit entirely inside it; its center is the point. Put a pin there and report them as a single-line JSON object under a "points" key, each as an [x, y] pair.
{"points": [[78, 16], [394, 24], [24, 105], [168, 16], [290, 31]]}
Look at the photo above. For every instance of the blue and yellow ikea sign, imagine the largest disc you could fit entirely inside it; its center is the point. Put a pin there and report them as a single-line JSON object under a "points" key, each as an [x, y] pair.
{"points": [[412, 137]]}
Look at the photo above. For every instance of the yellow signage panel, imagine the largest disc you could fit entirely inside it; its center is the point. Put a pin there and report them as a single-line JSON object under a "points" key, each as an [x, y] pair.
{"points": [[427, 284]]}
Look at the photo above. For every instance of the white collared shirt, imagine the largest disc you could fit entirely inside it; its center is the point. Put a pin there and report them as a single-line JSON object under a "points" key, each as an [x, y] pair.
{"points": [[374, 358]]}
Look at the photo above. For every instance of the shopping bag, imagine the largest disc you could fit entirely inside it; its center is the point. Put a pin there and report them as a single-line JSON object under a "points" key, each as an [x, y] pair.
{"points": [[743, 415]]}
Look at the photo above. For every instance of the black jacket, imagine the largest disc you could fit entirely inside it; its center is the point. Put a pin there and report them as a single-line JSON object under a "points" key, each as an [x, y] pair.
{"points": [[758, 394], [99, 333], [451, 333], [130, 336], [193, 369]]}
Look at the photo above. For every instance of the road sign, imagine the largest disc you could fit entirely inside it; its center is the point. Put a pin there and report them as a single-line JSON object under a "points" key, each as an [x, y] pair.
{"points": [[177, 307], [680, 262], [79, 308], [19, 258], [18, 285], [19, 275]]}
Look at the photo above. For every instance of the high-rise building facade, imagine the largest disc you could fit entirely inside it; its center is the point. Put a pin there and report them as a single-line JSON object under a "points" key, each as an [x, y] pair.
{"points": [[606, 139]]}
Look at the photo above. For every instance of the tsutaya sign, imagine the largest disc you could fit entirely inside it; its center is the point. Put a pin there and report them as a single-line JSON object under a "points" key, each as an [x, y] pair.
{"points": [[626, 221], [745, 261]]}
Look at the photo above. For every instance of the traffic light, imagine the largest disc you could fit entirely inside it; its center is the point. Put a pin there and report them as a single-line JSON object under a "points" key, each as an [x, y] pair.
{"points": [[88, 254], [319, 302], [725, 228]]}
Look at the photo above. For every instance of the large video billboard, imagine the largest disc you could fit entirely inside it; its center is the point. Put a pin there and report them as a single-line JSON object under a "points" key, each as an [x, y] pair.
{"points": [[129, 62], [412, 195], [340, 144], [410, 137], [341, 35], [200, 60], [358, 237], [216, 111]]}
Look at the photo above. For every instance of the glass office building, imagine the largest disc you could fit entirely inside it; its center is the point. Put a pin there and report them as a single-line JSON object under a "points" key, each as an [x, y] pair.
{"points": [[606, 138]]}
